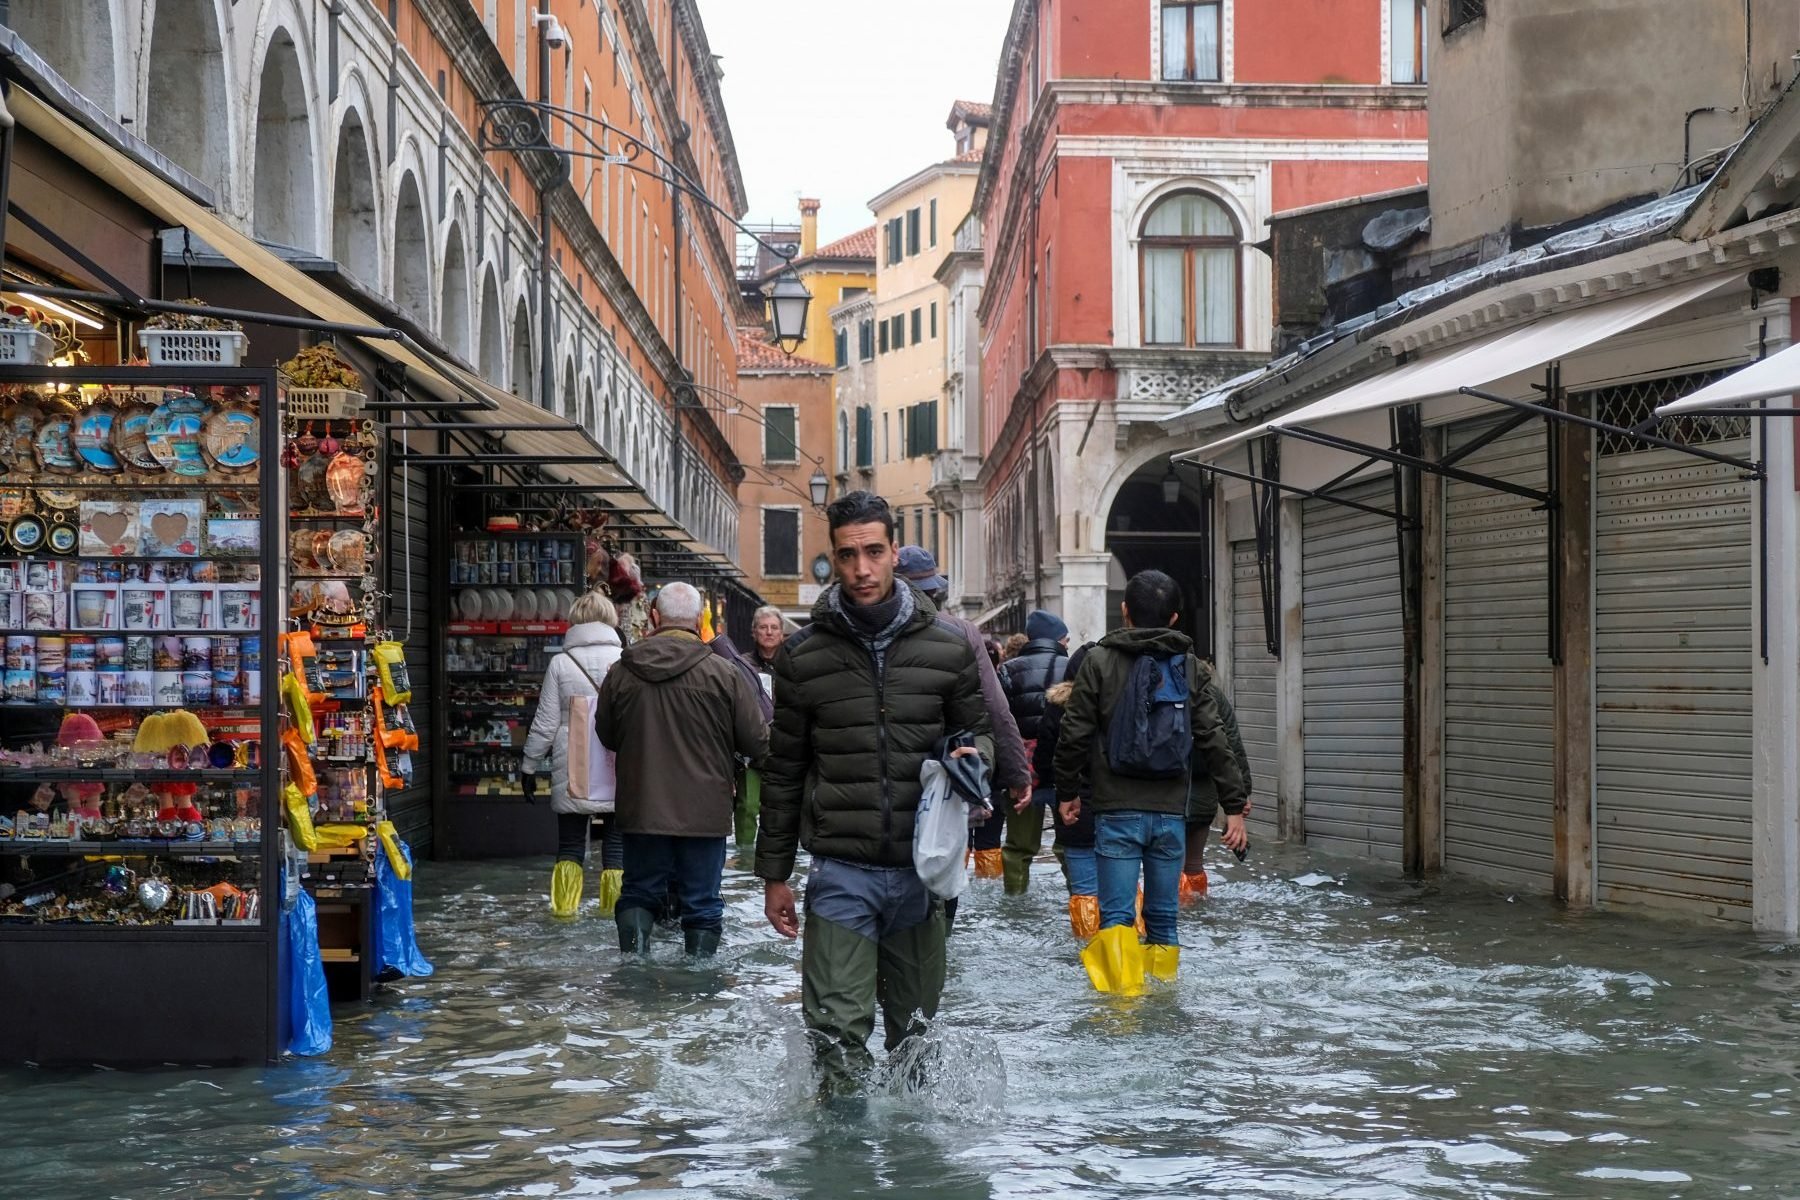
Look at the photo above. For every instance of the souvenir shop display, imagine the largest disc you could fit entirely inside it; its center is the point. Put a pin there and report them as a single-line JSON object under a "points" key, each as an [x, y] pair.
{"points": [[135, 789]]}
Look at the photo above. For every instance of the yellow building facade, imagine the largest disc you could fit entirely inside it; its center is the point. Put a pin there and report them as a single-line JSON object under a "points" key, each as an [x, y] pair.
{"points": [[833, 273]]}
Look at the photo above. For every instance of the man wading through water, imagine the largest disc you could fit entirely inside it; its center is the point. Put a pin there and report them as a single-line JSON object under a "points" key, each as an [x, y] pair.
{"points": [[862, 695]]}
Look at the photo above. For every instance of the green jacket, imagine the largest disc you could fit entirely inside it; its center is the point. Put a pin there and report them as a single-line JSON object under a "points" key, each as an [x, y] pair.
{"points": [[1081, 761], [854, 722], [1203, 793]]}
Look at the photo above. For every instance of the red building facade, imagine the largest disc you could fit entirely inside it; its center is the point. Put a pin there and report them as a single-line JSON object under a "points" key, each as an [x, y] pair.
{"points": [[1137, 149]]}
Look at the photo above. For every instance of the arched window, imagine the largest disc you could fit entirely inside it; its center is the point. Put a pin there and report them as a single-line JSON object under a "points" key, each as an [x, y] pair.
{"points": [[1188, 264]]}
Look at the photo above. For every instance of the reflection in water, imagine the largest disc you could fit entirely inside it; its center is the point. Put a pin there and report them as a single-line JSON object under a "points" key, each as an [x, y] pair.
{"points": [[1378, 1039]]}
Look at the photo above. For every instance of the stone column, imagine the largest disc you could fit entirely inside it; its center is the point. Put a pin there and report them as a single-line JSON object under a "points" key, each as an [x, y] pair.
{"points": [[1775, 693], [1290, 691], [1084, 595]]}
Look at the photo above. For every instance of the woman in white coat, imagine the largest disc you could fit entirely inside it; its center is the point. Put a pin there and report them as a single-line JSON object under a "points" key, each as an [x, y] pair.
{"points": [[589, 649]]}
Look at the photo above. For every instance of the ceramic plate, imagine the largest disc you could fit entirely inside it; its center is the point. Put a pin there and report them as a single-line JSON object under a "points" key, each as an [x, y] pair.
{"points": [[94, 438], [175, 433], [468, 602], [55, 445], [525, 605], [230, 439], [63, 538], [499, 605], [26, 533], [131, 438]]}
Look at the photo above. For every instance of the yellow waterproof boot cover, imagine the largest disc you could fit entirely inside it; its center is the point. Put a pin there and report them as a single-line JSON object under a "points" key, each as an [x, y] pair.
{"points": [[1163, 961], [1115, 961], [611, 884], [989, 864], [565, 888], [1084, 917], [1193, 886]]}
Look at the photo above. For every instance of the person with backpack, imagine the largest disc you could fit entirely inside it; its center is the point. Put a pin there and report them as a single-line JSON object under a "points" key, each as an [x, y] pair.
{"points": [[1203, 798], [1139, 719], [679, 717], [566, 702], [1026, 677]]}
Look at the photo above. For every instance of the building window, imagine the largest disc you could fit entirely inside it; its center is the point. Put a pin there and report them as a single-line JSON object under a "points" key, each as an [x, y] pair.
{"points": [[898, 337], [918, 527], [865, 437], [918, 325], [912, 231], [841, 344], [1188, 264], [918, 429], [865, 339], [844, 439], [1190, 39], [1458, 13], [884, 337], [887, 439], [934, 320], [780, 437], [934, 222], [1406, 40], [895, 240], [781, 542]]}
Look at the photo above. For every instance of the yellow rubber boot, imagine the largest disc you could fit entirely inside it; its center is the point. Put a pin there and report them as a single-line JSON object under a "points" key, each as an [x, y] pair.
{"points": [[1163, 961], [1084, 917], [1115, 961], [989, 864], [565, 889], [1193, 886], [611, 884]]}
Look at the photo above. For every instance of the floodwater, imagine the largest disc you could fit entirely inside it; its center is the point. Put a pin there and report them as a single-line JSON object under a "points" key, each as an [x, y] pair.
{"points": [[1368, 1040]]}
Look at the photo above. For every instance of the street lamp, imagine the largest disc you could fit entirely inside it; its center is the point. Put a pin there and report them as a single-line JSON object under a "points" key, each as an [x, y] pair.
{"points": [[820, 486], [788, 302], [1171, 486]]}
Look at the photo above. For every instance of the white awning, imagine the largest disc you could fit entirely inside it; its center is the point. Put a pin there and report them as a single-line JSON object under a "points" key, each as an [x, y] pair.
{"points": [[1478, 362], [991, 613], [1776, 375]]}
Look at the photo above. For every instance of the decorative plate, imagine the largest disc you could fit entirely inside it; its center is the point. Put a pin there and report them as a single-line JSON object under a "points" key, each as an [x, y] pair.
{"points": [[470, 604], [26, 533], [94, 438], [63, 538], [55, 446], [230, 439], [13, 501], [343, 482], [300, 550], [175, 431], [131, 437], [349, 550], [309, 482], [18, 436], [62, 499], [525, 605]]}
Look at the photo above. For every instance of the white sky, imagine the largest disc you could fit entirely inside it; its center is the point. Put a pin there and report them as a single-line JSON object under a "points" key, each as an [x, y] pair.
{"points": [[842, 99]]}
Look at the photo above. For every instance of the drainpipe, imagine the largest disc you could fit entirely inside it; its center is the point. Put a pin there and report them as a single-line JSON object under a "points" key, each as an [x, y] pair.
{"points": [[547, 364], [675, 239]]}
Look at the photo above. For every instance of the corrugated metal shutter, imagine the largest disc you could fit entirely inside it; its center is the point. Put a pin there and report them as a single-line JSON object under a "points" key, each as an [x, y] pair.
{"points": [[1498, 680], [1353, 676], [1672, 660], [406, 528], [1253, 686]]}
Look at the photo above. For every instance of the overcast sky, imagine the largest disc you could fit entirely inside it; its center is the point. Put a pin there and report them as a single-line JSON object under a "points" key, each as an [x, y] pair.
{"points": [[842, 99]]}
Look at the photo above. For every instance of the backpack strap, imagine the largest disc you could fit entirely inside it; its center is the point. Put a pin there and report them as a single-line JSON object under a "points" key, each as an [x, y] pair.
{"points": [[570, 655]]}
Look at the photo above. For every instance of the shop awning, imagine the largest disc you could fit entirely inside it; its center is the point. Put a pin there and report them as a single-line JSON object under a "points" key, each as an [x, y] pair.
{"points": [[1776, 375], [1477, 363], [990, 614], [145, 188]]}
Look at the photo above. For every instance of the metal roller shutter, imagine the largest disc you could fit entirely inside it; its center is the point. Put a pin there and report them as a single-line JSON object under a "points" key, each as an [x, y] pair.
{"points": [[1253, 686], [409, 615], [1672, 661], [1352, 676], [1498, 680]]}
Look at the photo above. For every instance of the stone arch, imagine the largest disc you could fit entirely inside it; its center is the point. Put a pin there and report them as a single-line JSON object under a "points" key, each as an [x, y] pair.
{"points": [[355, 214], [284, 210], [590, 415], [522, 378], [453, 321], [412, 251], [76, 38], [490, 352], [565, 400], [186, 112]]}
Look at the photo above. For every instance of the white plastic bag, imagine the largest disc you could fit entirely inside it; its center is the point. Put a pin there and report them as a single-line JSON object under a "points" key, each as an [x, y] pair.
{"points": [[941, 834]]}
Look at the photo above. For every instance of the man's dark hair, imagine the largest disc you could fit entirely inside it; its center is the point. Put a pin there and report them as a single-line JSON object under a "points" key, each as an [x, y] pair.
{"points": [[1151, 600], [860, 508]]}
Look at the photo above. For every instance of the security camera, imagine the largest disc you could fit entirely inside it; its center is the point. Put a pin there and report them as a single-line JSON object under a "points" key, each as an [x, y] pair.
{"points": [[555, 36]]}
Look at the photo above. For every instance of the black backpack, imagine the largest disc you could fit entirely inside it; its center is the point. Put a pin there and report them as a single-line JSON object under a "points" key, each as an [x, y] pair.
{"points": [[1151, 734]]}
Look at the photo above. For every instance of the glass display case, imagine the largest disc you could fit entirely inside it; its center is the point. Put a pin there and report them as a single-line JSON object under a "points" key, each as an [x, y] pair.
{"points": [[140, 842]]}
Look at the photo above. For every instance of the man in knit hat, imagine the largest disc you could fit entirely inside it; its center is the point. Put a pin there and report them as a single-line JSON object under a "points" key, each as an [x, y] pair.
{"points": [[1025, 677]]}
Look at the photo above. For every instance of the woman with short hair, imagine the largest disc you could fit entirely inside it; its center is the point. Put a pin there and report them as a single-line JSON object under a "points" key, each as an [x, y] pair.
{"points": [[589, 649]]}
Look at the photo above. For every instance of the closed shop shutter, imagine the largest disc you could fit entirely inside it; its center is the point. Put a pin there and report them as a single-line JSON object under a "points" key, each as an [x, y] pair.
{"points": [[409, 615], [1352, 676], [1253, 686], [1672, 661], [1498, 680]]}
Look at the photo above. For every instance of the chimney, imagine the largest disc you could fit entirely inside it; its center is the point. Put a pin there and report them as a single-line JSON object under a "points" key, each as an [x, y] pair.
{"points": [[809, 228]]}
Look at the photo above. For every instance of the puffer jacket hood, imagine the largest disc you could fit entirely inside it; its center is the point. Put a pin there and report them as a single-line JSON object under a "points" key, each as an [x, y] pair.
{"points": [[666, 655], [1139, 642]]}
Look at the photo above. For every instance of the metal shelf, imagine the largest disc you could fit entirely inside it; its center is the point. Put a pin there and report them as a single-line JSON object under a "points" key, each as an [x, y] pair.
{"points": [[139, 847], [148, 775]]}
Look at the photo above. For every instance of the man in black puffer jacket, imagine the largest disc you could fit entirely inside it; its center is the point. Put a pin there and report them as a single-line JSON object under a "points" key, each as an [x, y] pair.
{"points": [[1036, 669], [861, 697]]}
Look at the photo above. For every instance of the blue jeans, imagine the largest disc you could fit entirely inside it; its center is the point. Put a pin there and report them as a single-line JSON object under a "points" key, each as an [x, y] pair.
{"points": [[1082, 869], [695, 865], [1157, 842]]}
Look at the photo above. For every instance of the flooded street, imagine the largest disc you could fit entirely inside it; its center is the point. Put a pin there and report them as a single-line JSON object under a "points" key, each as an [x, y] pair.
{"points": [[1373, 1040]]}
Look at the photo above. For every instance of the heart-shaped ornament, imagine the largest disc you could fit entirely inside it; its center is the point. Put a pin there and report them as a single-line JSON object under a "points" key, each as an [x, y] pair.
{"points": [[154, 894], [170, 528], [109, 527]]}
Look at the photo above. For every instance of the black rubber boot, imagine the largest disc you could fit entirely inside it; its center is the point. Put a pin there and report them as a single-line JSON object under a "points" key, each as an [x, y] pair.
{"points": [[635, 925], [701, 943]]}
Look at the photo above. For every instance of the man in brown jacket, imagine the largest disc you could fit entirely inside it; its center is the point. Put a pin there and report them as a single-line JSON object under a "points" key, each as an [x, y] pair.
{"points": [[678, 716]]}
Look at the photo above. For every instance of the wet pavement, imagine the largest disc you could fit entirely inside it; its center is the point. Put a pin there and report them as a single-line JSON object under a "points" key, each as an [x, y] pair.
{"points": [[1371, 1040]]}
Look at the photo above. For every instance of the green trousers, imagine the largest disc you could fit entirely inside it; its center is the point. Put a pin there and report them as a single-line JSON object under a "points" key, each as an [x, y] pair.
{"points": [[845, 974], [749, 805], [1024, 838]]}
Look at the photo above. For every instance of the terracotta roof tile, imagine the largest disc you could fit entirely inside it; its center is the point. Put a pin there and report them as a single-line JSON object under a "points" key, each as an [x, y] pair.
{"points": [[757, 353], [860, 244], [973, 111]]}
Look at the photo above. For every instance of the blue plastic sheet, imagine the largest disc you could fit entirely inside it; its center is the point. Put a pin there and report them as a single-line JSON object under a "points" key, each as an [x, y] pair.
{"points": [[397, 952], [309, 1003]]}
